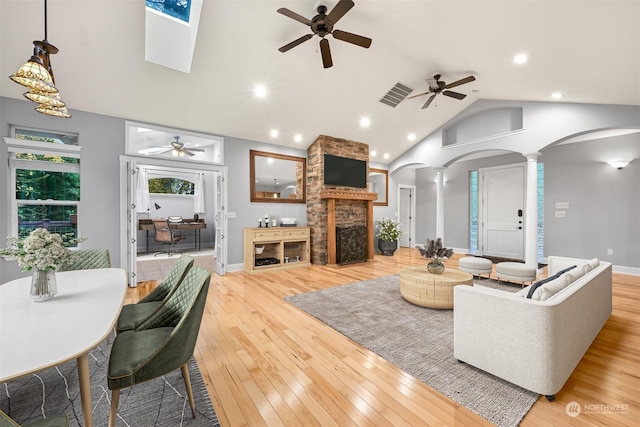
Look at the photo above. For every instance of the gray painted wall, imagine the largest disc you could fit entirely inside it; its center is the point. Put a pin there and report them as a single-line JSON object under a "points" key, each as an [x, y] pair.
{"points": [[102, 139], [604, 202]]}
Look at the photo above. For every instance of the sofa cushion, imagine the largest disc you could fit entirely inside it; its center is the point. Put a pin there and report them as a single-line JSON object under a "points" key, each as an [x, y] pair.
{"points": [[539, 283], [551, 288]]}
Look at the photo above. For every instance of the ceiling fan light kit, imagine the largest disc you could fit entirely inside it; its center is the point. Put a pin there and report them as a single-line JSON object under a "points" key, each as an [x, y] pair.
{"points": [[322, 25], [37, 75]]}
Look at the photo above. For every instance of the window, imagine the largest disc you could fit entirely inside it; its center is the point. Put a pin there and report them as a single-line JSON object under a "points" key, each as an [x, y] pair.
{"points": [[45, 180], [171, 186]]}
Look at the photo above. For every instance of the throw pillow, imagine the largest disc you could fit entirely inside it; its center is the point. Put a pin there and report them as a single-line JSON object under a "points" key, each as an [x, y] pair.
{"points": [[551, 288], [593, 263], [536, 285]]}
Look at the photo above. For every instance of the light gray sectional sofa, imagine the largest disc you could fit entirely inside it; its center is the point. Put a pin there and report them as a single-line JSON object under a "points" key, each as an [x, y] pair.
{"points": [[535, 343]]}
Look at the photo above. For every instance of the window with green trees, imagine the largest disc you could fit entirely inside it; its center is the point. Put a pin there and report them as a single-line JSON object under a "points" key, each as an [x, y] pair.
{"points": [[171, 186], [46, 176]]}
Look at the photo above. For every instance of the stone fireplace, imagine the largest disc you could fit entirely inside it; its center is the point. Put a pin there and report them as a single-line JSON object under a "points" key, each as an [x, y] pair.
{"points": [[330, 206]]}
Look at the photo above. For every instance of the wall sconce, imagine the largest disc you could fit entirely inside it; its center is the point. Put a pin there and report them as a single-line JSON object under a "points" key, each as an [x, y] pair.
{"points": [[619, 164], [37, 75]]}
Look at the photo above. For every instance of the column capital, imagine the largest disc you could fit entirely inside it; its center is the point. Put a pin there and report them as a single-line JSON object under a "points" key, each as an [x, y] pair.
{"points": [[532, 156]]}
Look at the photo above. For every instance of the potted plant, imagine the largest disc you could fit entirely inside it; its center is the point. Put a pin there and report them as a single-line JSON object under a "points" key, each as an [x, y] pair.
{"points": [[388, 234], [436, 253]]}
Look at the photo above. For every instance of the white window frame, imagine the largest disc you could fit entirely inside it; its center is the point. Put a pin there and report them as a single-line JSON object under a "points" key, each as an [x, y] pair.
{"points": [[37, 147]]}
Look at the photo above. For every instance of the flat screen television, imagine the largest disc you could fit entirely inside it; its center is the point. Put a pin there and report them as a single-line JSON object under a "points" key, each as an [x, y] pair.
{"points": [[345, 171]]}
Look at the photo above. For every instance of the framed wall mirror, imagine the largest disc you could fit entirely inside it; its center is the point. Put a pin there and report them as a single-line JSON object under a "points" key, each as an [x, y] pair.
{"points": [[379, 183], [277, 178]]}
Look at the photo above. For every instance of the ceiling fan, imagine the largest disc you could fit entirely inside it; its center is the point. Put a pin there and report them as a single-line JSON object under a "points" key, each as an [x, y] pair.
{"points": [[322, 24], [176, 148], [437, 86]]}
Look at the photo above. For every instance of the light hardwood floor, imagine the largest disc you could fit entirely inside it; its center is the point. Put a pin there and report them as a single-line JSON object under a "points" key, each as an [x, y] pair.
{"points": [[266, 363]]}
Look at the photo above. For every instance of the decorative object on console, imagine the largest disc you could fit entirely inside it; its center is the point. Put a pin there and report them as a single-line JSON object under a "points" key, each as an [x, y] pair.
{"points": [[41, 252], [287, 222], [388, 234], [436, 252], [266, 221]]}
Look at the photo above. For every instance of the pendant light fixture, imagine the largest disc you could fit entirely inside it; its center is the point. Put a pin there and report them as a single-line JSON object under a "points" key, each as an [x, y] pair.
{"points": [[37, 75]]}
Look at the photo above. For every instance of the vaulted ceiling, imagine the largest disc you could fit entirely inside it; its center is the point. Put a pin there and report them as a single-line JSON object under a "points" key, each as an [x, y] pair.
{"points": [[587, 50]]}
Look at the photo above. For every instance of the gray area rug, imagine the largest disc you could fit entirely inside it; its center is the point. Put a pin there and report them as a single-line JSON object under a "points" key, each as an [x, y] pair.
{"points": [[419, 341], [159, 402]]}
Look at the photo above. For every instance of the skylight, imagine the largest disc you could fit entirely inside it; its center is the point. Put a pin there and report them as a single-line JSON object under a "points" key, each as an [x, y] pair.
{"points": [[176, 8]]}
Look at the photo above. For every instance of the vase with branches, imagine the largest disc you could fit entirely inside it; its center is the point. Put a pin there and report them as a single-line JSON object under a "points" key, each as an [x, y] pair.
{"points": [[435, 251]]}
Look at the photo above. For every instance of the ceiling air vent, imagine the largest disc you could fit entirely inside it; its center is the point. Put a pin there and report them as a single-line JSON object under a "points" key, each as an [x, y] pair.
{"points": [[396, 95]]}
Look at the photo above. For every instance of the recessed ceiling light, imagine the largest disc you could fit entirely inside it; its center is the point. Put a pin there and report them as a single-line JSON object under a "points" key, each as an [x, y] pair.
{"points": [[557, 95], [411, 137], [386, 155], [297, 137], [365, 122], [372, 153], [520, 58], [274, 133], [260, 91]]}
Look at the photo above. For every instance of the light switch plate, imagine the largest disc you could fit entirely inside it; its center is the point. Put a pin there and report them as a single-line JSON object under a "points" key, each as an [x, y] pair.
{"points": [[231, 214], [562, 205], [560, 214]]}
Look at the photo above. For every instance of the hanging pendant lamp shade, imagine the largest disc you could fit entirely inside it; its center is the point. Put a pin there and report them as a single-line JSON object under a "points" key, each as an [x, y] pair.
{"points": [[53, 111], [52, 99], [34, 75], [37, 75]]}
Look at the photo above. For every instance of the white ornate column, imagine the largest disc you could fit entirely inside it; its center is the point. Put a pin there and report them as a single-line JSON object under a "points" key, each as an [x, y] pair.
{"points": [[531, 215], [440, 203]]}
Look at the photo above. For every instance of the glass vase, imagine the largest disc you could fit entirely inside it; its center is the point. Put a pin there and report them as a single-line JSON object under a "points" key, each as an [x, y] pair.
{"points": [[43, 285], [435, 267]]}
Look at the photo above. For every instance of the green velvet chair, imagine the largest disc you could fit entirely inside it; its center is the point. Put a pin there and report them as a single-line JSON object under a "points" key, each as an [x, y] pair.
{"points": [[134, 314], [87, 259], [58, 421], [162, 343]]}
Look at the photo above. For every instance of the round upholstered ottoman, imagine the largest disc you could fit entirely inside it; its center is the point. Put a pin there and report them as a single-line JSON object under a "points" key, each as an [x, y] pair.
{"points": [[475, 265], [515, 271]]}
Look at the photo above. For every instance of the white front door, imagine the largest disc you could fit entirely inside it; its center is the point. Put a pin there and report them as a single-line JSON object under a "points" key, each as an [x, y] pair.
{"points": [[502, 211]]}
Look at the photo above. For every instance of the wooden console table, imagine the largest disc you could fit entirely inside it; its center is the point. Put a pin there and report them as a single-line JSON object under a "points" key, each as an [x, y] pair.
{"points": [[268, 248], [425, 289], [186, 224]]}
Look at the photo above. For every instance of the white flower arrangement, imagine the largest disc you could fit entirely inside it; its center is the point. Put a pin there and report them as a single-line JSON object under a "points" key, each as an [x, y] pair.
{"points": [[41, 250]]}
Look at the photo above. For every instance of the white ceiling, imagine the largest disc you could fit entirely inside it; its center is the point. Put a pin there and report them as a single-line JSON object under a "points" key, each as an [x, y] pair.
{"points": [[588, 50]]}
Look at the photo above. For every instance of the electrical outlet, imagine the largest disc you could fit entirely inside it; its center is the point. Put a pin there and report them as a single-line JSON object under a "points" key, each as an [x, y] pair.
{"points": [[609, 251]]}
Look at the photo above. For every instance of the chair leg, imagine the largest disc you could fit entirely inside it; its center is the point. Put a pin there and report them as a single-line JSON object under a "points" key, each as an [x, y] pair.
{"points": [[113, 414], [187, 383]]}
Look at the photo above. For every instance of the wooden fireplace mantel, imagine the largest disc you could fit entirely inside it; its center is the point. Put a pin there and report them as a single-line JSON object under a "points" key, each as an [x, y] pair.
{"points": [[331, 196]]}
